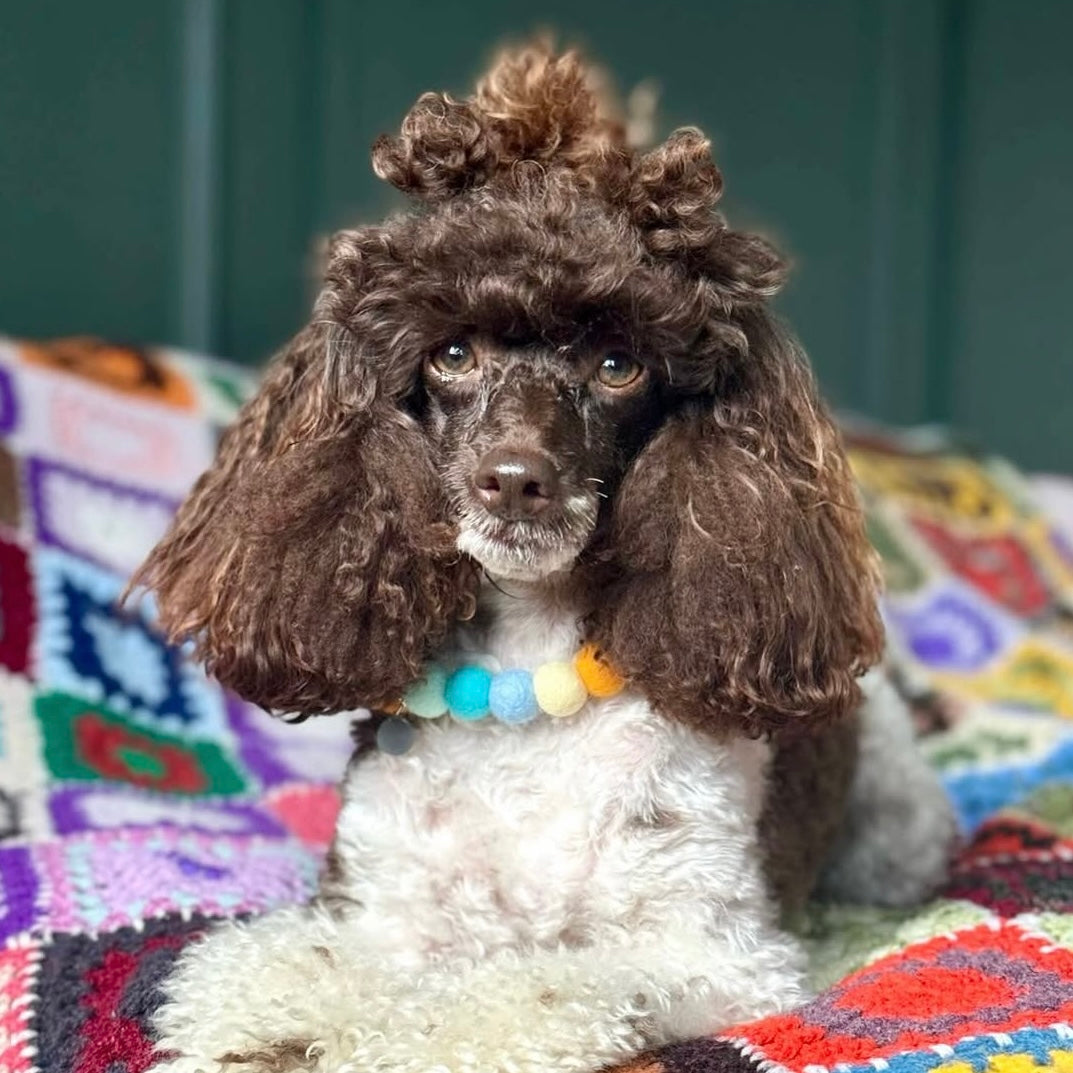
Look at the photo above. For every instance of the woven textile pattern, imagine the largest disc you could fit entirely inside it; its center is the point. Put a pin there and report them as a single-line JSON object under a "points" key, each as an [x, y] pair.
{"points": [[138, 801]]}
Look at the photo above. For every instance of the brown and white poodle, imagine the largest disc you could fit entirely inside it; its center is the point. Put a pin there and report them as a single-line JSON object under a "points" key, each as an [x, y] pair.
{"points": [[546, 486]]}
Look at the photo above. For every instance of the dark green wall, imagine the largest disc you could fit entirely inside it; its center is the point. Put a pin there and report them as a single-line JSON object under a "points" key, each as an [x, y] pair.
{"points": [[166, 168]]}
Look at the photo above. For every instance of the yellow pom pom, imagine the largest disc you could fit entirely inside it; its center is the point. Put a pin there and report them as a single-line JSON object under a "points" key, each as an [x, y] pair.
{"points": [[599, 677], [559, 691]]}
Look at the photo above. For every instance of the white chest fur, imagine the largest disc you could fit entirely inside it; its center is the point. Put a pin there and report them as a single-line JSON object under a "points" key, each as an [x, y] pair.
{"points": [[563, 831], [557, 896]]}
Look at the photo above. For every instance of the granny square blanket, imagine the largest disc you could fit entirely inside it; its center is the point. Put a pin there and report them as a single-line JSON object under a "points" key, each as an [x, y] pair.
{"points": [[139, 801]]}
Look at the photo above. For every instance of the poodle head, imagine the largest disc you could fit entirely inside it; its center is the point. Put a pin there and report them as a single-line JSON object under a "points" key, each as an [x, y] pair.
{"points": [[557, 364]]}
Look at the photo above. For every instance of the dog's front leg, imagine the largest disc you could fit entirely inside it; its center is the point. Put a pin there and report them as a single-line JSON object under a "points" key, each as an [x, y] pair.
{"points": [[299, 991], [279, 994], [576, 1008]]}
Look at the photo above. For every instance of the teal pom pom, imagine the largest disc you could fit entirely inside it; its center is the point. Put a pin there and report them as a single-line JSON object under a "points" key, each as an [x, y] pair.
{"points": [[425, 698], [467, 693], [512, 699]]}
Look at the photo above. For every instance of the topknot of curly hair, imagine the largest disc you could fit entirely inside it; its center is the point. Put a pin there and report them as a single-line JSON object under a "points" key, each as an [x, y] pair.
{"points": [[532, 107], [539, 121]]}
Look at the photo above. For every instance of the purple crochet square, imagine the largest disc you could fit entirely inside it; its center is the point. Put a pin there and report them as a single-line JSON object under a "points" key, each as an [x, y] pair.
{"points": [[19, 888], [256, 750], [1062, 545], [107, 879], [76, 809], [9, 411], [949, 627], [111, 524], [276, 752]]}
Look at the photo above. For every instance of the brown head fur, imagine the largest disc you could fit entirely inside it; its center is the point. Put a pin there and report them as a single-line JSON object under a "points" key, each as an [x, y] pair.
{"points": [[315, 564]]}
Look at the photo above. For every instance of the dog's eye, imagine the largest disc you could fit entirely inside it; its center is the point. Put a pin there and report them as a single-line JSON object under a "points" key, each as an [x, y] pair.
{"points": [[619, 370], [454, 359]]}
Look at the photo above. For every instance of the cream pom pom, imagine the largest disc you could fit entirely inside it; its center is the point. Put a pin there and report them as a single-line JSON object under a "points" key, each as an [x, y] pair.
{"points": [[559, 689]]}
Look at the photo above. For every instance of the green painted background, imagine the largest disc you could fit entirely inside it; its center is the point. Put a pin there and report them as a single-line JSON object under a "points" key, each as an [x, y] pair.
{"points": [[166, 167]]}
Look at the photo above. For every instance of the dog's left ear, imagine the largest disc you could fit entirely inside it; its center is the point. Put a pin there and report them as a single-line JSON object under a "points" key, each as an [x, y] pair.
{"points": [[746, 588]]}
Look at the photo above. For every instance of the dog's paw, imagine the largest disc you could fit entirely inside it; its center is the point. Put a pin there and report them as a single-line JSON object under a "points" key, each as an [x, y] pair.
{"points": [[576, 1009], [274, 995]]}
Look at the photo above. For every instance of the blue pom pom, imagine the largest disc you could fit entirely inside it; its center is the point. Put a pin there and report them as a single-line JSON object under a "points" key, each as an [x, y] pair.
{"points": [[512, 699], [467, 693]]}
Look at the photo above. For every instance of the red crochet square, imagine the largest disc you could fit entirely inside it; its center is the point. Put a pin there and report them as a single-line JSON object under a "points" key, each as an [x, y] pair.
{"points": [[992, 978]]}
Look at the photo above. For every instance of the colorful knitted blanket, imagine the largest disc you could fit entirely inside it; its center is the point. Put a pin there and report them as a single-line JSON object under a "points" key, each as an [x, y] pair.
{"points": [[139, 801]]}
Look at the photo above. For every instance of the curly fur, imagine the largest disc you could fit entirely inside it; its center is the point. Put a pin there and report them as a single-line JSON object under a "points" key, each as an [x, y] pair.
{"points": [[569, 892], [754, 602], [315, 563], [533, 110], [312, 563]]}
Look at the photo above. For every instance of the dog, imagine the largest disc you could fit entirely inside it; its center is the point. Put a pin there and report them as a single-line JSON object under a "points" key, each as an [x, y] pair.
{"points": [[544, 431]]}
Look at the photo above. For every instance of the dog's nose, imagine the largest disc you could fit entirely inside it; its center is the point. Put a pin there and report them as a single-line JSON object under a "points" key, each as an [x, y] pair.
{"points": [[514, 484]]}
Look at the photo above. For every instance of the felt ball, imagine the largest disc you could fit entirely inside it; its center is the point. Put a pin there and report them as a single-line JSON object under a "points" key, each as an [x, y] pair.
{"points": [[467, 693], [559, 690], [395, 736], [511, 697], [600, 678], [425, 698]]}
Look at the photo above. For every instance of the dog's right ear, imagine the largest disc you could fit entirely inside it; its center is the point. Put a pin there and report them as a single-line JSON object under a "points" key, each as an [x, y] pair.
{"points": [[312, 565]]}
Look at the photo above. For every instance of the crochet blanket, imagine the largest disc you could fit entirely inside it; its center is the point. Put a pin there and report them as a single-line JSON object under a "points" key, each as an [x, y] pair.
{"points": [[139, 801]]}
